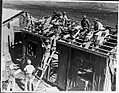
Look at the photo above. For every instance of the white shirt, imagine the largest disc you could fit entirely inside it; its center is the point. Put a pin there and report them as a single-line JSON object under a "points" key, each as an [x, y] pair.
{"points": [[100, 26], [29, 69]]}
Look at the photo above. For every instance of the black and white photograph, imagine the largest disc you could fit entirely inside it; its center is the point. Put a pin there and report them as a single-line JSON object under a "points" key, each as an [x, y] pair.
{"points": [[58, 46]]}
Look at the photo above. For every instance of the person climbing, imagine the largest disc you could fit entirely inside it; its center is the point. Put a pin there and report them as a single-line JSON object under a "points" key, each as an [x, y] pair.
{"points": [[47, 53], [29, 69]]}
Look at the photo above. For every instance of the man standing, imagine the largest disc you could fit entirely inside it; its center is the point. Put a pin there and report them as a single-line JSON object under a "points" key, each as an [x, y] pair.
{"points": [[29, 69]]}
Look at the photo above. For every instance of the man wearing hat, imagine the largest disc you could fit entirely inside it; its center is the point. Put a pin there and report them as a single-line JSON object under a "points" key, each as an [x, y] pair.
{"points": [[98, 25], [85, 23], [97, 35]]}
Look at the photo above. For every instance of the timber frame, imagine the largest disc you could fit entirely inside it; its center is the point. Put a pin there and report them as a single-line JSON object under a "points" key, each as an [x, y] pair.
{"points": [[67, 61]]}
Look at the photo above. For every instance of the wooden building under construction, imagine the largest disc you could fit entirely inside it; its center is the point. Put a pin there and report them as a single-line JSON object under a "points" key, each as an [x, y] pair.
{"points": [[74, 68], [76, 65]]}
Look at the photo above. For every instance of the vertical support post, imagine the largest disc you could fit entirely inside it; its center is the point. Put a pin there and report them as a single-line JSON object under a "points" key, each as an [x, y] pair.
{"points": [[62, 68], [24, 50], [107, 82], [48, 73], [99, 76], [68, 66]]}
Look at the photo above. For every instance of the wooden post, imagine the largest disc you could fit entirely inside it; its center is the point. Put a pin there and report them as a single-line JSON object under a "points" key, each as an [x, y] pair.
{"points": [[99, 73], [24, 50], [62, 67], [68, 66]]}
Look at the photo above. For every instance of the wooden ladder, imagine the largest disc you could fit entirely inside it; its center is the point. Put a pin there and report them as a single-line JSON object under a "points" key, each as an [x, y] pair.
{"points": [[44, 69]]}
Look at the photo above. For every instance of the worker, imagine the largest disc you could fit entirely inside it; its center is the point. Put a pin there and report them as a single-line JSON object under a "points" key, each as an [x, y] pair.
{"points": [[85, 23], [47, 53], [54, 38], [29, 69], [11, 80], [98, 25], [65, 18], [116, 30], [99, 32]]}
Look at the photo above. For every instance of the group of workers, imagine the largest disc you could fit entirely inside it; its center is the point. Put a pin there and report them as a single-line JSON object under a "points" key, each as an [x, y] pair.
{"points": [[59, 26]]}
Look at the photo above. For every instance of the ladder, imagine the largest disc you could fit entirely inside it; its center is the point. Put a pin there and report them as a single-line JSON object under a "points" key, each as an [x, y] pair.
{"points": [[44, 69]]}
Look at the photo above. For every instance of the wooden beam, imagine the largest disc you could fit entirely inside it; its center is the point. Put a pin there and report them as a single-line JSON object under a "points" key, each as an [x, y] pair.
{"points": [[111, 43], [113, 35], [13, 17], [107, 46], [24, 54], [100, 49], [68, 44], [111, 38]]}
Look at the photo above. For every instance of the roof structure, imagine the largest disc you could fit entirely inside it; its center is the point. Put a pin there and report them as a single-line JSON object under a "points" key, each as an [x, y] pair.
{"points": [[9, 13]]}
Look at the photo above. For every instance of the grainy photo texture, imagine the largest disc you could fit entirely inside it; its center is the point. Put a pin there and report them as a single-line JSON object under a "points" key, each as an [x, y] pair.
{"points": [[58, 46]]}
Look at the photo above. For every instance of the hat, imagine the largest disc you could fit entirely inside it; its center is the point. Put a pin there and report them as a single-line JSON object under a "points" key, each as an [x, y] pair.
{"points": [[47, 40], [59, 13], [84, 16], [96, 19], [64, 12], [29, 61]]}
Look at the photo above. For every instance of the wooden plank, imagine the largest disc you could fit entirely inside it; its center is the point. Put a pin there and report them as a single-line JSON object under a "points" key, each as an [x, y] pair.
{"points": [[111, 43], [83, 49], [100, 49], [107, 46], [99, 73], [78, 58], [13, 17], [25, 50], [62, 66], [111, 38], [113, 35]]}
